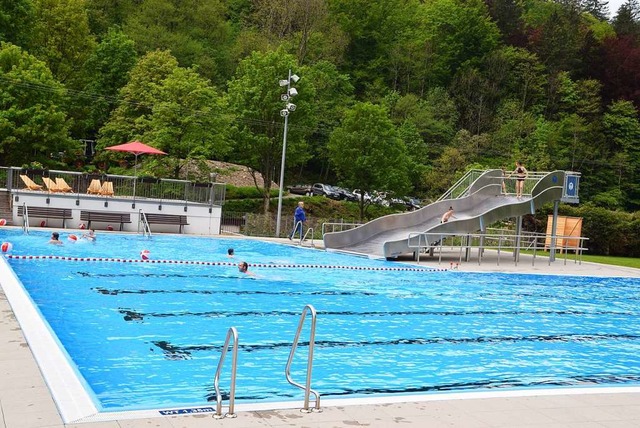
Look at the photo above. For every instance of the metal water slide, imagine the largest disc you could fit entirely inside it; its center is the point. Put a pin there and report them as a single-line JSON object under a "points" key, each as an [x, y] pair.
{"points": [[475, 207]]}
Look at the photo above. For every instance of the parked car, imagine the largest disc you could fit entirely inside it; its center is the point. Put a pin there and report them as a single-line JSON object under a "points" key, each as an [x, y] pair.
{"points": [[325, 190], [345, 194], [358, 193], [300, 189], [412, 203]]}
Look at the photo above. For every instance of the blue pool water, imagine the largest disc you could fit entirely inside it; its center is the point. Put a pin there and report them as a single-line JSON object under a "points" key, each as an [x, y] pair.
{"points": [[149, 335]]}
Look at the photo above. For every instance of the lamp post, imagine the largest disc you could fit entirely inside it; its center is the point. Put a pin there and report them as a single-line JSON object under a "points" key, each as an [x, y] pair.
{"points": [[289, 107]]}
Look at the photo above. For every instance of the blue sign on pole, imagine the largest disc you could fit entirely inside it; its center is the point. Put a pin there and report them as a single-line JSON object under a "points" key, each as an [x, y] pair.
{"points": [[572, 186], [570, 190]]}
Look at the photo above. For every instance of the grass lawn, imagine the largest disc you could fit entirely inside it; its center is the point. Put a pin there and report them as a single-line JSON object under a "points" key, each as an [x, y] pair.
{"points": [[605, 260], [611, 260]]}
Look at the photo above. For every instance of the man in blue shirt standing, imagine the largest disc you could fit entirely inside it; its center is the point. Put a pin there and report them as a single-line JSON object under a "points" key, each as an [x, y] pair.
{"points": [[299, 217]]}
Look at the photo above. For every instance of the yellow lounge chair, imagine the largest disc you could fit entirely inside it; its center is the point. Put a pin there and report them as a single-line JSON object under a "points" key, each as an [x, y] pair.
{"points": [[107, 189], [31, 185], [51, 185], [63, 186], [94, 187]]}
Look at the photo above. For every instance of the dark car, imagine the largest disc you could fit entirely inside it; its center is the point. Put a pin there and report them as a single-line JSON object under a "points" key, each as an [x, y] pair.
{"points": [[300, 189], [325, 190], [345, 194]]}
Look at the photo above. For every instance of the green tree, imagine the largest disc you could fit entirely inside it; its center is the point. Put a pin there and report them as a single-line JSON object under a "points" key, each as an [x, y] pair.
{"points": [[172, 108], [435, 116], [195, 31], [32, 124], [254, 98], [105, 14], [131, 118], [367, 152], [374, 31], [188, 120], [334, 95], [61, 37], [622, 133], [106, 72], [16, 18], [459, 32]]}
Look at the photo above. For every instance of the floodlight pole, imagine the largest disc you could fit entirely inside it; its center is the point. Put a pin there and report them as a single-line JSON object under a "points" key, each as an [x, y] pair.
{"points": [[284, 154]]}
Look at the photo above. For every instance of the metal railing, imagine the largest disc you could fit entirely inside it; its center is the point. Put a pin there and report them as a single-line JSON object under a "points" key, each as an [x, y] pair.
{"points": [[459, 188], [501, 242], [309, 231], [25, 218], [508, 184], [338, 227], [232, 333], [123, 185], [287, 371], [146, 229]]}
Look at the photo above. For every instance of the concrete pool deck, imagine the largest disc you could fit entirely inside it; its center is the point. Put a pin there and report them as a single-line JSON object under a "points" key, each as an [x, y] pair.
{"points": [[25, 400]]}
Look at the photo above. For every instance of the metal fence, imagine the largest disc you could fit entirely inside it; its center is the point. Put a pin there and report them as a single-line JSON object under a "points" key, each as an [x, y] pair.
{"points": [[123, 185], [249, 224], [461, 246], [508, 184]]}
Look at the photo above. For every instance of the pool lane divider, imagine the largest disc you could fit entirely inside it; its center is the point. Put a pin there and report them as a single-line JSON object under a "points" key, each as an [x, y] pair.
{"points": [[205, 263]]}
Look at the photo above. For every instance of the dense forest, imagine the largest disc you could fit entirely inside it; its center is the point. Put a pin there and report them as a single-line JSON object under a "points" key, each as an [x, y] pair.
{"points": [[396, 95]]}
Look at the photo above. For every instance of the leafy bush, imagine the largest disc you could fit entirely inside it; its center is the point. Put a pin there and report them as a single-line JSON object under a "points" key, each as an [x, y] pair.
{"points": [[249, 192], [614, 233]]}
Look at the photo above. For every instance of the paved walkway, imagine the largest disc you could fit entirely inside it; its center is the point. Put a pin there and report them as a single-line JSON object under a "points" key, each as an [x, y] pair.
{"points": [[25, 400]]}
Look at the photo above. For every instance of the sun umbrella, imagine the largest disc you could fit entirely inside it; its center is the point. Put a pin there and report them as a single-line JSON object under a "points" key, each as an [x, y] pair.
{"points": [[137, 148]]}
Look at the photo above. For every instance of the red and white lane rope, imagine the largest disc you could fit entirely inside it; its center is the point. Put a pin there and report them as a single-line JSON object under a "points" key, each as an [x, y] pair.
{"points": [[207, 263]]}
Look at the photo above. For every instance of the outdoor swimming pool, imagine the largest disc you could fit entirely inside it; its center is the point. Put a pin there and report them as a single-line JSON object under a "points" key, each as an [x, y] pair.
{"points": [[148, 335]]}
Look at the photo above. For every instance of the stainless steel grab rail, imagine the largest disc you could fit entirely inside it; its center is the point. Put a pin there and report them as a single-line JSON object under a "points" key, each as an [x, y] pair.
{"points": [[146, 229], [287, 370], [309, 230], [233, 332], [25, 219]]}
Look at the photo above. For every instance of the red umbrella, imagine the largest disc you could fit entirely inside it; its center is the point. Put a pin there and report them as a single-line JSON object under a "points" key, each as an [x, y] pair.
{"points": [[137, 148]]}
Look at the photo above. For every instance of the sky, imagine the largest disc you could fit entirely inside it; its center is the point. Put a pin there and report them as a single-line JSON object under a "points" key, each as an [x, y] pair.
{"points": [[614, 5]]}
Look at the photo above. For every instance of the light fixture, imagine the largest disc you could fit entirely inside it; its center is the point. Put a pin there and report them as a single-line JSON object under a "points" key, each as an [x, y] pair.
{"points": [[289, 107]]}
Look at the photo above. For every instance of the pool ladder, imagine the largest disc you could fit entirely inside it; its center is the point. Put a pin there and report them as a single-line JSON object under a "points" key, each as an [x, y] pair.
{"points": [[25, 218], [146, 229], [232, 333], [287, 371], [297, 227]]}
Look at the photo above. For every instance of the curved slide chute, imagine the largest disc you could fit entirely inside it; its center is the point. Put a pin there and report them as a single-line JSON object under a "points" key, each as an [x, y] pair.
{"points": [[481, 205]]}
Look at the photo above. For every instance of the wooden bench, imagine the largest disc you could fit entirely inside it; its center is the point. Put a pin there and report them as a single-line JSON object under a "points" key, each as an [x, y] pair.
{"points": [[180, 220], [106, 217], [46, 212]]}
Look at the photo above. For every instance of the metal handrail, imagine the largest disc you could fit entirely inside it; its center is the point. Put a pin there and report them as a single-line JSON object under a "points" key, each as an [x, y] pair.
{"points": [[464, 182], [25, 218], [341, 226], [146, 229], [287, 371], [310, 229], [233, 332]]}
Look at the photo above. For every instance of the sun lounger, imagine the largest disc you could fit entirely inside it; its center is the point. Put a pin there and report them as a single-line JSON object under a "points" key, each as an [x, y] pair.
{"points": [[107, 189], [63, 186], [51, 185], [31, 185], [94, 187]]}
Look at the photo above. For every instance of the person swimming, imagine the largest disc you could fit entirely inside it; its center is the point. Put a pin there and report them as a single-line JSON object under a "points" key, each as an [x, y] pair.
{"points": [[243, 267]]}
